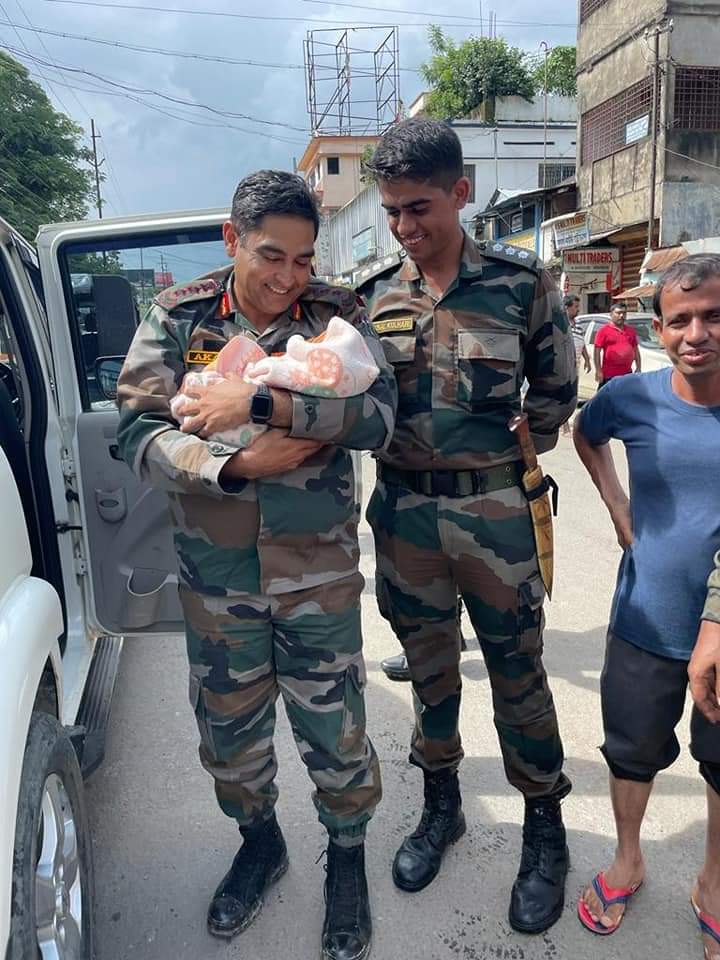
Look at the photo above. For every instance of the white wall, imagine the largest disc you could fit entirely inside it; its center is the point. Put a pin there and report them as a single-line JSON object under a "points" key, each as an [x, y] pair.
{"points": [[519, 153]]}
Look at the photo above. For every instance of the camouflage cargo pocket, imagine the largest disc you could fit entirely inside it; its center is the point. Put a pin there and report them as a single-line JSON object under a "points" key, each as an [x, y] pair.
{"points": [[530, 616], [488, 363], [216, 733], [352, 732]]}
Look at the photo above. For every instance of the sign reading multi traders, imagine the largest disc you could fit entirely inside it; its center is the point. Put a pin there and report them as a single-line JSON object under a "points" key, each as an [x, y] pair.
{"points": [[591, 270]]}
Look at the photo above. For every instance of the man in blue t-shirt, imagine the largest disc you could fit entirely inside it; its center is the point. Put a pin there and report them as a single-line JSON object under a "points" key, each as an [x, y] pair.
{"points": [[669, 529]]}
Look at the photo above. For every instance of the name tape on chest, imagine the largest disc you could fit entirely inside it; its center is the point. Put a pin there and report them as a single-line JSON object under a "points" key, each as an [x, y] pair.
{"points": [[201, 356], [393, 324]]}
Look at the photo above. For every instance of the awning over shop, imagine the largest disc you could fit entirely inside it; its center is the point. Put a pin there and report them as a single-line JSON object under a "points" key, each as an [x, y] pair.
{"points": [[642, 292]]}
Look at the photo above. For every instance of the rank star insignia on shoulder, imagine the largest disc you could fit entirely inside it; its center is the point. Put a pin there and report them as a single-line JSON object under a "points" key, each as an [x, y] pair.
{"points": [[511, 254], [188, 292]]}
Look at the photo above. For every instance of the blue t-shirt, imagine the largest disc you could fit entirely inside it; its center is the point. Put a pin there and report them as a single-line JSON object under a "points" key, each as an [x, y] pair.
{"points": [[673, 451]]}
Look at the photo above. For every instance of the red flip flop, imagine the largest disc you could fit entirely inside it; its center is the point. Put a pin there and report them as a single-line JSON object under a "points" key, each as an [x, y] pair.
{"points": [[608, 896], [708, 925]]}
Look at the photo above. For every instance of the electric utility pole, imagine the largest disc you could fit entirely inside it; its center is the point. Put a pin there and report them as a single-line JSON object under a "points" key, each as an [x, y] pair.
{"points": [[97, 164], [663, 27]]}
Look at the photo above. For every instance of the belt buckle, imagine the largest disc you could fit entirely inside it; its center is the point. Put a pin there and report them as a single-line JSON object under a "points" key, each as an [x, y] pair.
{"points": [[443, 482]]}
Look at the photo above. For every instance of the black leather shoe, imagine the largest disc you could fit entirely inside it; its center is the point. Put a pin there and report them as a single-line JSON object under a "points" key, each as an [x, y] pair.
{"points": [[260, 861], [347, 930], [396, 668], [418, 860], [538, 894]]}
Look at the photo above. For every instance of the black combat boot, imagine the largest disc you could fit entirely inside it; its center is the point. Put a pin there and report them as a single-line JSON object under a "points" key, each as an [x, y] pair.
{"points": [[396, 668], [260, 861], [442, 822], [347, 930], [538, 894]]}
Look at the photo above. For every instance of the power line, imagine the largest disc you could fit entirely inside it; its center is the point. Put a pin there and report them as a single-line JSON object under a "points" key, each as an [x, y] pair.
{"points": [[31, 26], [162, 51], [684, 156], [270, 19], [175, 115], [155, 93]]}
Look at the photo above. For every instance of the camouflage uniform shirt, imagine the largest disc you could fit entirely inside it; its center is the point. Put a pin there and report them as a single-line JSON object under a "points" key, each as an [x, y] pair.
{"points": [[460, 361], [712, 605], [283, 533]]}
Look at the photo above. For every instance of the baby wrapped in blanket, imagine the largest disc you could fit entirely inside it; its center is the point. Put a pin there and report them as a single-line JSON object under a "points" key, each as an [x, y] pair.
{"points": [[336, 364]]}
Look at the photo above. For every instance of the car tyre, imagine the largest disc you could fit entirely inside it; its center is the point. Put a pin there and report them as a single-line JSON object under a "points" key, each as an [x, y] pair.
{"points": [[52, 883]]}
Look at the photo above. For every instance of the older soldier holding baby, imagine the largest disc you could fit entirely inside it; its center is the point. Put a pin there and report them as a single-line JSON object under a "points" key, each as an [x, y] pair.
{"points": [[267, 547]]}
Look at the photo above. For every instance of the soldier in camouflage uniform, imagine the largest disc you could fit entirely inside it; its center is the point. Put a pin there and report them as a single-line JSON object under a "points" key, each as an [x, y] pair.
{"points": [[462, 325], [267, 547]]}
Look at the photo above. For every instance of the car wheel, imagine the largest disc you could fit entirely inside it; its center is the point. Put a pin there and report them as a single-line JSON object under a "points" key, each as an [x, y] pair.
{"points": [[52, 882]]}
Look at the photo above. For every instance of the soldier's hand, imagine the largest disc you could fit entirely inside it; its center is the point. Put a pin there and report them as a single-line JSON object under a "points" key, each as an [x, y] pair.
{"points": [[217, 407], [622, 521], [271, 453], [704, 671]]}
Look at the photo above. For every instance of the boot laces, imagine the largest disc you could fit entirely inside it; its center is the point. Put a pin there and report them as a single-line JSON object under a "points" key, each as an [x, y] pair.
{"points": [[341, 888]]}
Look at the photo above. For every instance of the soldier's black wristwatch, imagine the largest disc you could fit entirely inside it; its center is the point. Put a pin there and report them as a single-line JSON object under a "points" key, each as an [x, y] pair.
{"points": [[261, 405]]}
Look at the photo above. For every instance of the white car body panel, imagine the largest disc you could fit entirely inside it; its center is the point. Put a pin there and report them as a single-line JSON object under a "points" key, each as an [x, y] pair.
{"points": [[30, 625]]}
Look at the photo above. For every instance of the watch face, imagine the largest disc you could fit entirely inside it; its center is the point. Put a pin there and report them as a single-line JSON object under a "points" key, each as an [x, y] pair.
{"points": [[261, 407]]}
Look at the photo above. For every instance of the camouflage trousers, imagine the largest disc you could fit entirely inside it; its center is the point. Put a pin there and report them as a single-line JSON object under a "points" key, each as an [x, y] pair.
{"points": [[482, 546], [244, 650]]}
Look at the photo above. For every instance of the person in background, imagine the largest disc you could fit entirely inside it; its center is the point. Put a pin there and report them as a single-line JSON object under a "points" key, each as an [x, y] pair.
{"points": [[571, 302], [669, 423], [616, 348]]}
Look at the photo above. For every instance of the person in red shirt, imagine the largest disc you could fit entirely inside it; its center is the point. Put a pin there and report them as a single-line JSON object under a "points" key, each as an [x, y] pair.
{"points": [[616, 348]]}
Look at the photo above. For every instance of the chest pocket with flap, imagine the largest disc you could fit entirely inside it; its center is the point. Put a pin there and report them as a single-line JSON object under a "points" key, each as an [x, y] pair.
{"points": [[401, 352], [488, 365]]}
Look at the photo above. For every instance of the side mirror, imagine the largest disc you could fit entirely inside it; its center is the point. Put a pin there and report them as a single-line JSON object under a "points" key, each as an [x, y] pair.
{"points": [[107, 371]]}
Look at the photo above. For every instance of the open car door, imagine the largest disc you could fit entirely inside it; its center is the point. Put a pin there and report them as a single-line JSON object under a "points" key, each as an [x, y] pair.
{"points": [[99, 279]]}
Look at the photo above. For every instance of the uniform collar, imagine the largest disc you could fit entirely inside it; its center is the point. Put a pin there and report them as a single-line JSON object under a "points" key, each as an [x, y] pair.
{"points": [[471, 262]]}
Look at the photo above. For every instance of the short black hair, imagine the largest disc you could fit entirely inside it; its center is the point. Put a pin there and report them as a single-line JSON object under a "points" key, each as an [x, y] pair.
{"points": [[419, 149], [569, 299], [688, 273], [619, 306], [270, 192]]}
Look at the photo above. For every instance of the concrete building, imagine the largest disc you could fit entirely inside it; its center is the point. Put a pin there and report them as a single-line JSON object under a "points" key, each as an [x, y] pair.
{"points": [[505, 144], [331, 165], [616, 82]]}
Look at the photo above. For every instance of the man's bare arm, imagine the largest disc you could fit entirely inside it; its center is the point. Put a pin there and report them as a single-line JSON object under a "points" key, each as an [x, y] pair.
{"points": [[599, 463]]}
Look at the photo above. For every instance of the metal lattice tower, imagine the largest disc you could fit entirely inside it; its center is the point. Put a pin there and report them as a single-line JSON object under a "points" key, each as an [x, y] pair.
{"points": [[352, 90]]}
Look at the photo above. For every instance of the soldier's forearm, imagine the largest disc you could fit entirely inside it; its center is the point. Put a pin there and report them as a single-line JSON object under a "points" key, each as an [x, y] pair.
{"points": [[355, 422], [712, 604], [282, 408]]}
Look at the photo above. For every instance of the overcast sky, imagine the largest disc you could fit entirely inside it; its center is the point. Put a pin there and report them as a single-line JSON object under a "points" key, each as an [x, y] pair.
{"points": [[158, 162]]}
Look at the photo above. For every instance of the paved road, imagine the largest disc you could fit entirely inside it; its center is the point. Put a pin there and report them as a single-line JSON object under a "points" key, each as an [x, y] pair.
{"points": [[161, 844]]}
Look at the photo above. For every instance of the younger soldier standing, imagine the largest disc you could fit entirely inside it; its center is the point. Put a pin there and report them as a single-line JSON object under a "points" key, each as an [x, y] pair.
{"points": [[267, 548], [462, 325]]}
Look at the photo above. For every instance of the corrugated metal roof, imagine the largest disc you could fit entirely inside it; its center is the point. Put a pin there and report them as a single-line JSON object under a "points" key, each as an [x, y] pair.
{"points": [[659, 260]]}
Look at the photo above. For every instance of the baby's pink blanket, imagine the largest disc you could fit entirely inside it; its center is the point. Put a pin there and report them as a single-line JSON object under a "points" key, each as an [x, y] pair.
{"points": [[338, 363]]}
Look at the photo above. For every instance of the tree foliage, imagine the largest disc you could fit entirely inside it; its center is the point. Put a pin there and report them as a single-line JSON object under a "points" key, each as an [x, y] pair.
{"points": [[560, 72], [43, 172], [462, 75]]}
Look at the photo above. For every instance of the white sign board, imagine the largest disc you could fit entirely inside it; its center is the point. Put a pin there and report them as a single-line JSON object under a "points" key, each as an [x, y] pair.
{"points": [[637, 129], [572, 232], [592, 269]]}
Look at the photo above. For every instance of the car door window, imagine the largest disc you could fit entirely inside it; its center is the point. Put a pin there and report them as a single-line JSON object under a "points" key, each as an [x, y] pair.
{"points": [[109, 289], [10, 370]]}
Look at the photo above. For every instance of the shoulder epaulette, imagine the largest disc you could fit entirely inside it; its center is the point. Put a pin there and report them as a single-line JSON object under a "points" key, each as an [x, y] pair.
{"points": [[187, 292], [342, 297], [510, 254], [378, 268]]}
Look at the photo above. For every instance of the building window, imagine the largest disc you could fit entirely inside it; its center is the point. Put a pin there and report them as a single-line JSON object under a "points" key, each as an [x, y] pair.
{"points": [[697, 98], [333, 166], [604, 128], [554, 173], [469, 172], [588, 7]]}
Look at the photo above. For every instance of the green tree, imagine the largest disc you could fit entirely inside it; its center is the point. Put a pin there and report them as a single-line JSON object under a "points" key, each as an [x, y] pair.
{"points": [[462, 76], [43, 172], [95, 263], [560, 72]]}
